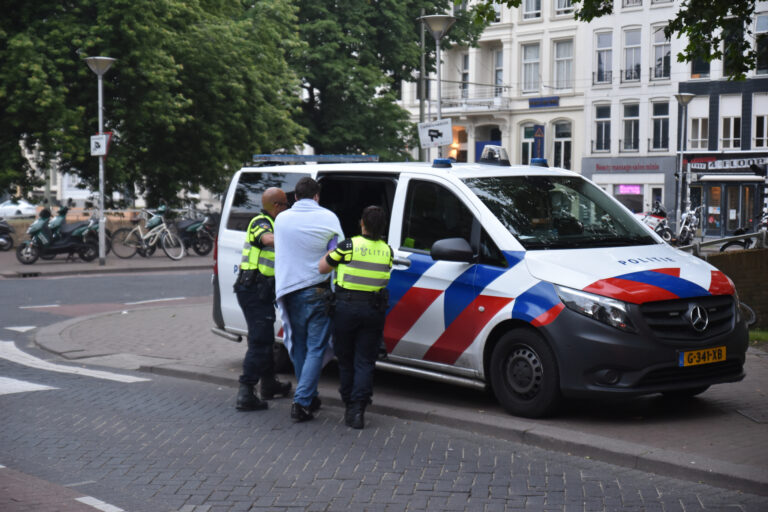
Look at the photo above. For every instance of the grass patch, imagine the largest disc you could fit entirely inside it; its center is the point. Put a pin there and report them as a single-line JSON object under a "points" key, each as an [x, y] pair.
{"points": [[758, 338]]}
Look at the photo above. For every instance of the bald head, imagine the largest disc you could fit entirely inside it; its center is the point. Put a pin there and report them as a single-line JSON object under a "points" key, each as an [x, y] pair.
{"points": [[274, 201]]}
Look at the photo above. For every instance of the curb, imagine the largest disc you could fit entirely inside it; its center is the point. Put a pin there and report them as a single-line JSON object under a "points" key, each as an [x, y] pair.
{"points": [[670, 463], [101, 270]]}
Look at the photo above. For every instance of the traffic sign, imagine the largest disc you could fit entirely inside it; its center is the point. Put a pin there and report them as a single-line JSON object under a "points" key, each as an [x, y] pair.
{"points": [[435, 133]]}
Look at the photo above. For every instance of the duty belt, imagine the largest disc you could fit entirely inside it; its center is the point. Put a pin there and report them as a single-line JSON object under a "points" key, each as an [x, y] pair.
{"points": [[352, 295]]}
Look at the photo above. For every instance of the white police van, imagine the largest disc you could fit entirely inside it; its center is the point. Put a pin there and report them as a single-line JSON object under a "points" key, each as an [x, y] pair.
{"points": [[528, 280]]}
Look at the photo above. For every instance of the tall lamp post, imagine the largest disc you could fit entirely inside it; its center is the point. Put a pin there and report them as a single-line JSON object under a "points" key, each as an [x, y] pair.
{"points": [[439, 25], [683, 98], [101, 65]]}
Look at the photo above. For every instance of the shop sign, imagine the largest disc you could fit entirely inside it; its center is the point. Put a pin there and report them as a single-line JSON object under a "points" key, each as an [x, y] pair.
{"points": [[725, 165]]}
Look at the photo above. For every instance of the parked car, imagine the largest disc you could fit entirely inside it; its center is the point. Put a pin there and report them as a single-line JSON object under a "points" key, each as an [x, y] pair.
{"points": [[17, 208]]}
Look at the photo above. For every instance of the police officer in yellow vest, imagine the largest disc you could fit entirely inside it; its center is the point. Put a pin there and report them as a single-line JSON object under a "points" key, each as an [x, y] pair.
{"points": [[363, 264], [255, 290]]}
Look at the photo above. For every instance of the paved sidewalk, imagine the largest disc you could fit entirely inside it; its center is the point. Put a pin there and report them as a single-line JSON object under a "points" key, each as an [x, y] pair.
{"points": [[719, 438]]}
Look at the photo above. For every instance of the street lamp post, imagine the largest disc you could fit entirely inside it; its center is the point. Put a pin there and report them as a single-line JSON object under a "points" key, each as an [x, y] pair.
{"points": [[101, 65], [683, 98], [439, 25]]}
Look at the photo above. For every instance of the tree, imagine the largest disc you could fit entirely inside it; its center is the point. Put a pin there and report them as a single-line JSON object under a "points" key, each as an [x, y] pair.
{"points": [[714, 30], [356, 55], [198, 88]]}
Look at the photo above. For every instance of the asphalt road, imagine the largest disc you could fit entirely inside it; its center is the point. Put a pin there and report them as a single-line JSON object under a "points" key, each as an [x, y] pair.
{"points": [[168, 444]]}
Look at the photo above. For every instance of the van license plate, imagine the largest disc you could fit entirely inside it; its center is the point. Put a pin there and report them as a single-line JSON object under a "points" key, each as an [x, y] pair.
{"points": [[703, 356]]}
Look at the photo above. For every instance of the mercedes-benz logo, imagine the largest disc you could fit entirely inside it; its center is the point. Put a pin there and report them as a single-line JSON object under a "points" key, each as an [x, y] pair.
{"points": [[698, 317]]}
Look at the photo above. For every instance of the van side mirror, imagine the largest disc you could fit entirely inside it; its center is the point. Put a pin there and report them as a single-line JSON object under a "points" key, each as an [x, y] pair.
{"points": [[452, 249]]}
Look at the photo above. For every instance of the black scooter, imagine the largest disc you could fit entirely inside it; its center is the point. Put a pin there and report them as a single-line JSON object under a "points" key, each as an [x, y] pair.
{"points": [[41, 243], [6, 240]]}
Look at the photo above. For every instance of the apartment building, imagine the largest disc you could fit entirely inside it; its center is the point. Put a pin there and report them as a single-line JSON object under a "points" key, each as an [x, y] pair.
{"points": [[599, 98]]}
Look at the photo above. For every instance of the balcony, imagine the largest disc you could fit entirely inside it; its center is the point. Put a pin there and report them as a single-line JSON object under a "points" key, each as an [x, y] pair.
{"points": [[474, 96]]}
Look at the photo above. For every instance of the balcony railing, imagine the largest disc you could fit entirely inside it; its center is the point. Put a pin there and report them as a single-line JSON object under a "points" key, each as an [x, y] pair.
{"points": [[632, 3], [630, 75], [601, 146], [662, 145], [629, 146], [458, 94], [602, 77], [660, 72]]}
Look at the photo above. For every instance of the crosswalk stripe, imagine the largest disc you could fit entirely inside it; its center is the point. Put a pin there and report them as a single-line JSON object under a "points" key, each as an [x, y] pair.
{"points": [[8, 386], [10, 352], [21, 328]]}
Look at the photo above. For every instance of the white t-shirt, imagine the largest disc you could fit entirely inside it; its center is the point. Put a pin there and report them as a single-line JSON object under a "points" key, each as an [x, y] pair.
{"points": [[302, 237]]}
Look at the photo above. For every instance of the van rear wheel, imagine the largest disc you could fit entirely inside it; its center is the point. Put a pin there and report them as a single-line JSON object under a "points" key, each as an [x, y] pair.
{"points": [[524, 374]]}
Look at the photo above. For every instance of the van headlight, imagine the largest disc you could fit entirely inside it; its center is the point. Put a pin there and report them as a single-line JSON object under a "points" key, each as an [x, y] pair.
{"points": [[602, 309]]}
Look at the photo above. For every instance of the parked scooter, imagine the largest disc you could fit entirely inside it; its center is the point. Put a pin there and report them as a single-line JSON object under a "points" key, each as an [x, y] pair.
{"points": [[198, 232], [59, 228], [6, 239], [740, 245], [79, 240], [657, 220], [688, 226]]}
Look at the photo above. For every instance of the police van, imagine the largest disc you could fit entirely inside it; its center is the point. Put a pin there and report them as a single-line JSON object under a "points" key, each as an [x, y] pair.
{"points": [[527, 280]]}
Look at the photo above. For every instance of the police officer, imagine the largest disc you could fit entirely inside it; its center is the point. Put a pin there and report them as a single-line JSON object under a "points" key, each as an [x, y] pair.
{"points": [[363, 264], [255, 290]]}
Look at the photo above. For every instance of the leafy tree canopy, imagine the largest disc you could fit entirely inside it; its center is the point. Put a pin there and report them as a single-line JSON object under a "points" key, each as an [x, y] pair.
{"points": [[714, 29], [198, 87], [356, 54]]}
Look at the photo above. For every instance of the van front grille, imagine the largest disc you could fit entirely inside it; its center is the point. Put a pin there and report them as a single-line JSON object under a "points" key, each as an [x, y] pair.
{"points": [[671, 319], [664, 376]]}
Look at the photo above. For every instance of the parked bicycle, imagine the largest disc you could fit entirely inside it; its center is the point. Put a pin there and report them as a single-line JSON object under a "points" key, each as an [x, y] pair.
{"points": [[746, 243], [126, 242]]}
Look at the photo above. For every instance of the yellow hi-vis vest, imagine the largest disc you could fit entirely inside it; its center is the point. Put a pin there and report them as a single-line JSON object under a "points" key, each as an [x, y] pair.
{"points": [[255, 257], [365, 267]]}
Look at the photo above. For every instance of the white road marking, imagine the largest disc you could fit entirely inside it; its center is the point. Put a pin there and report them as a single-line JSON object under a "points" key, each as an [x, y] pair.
{"points": [[153, 300], [101, 505], [8, 386], [42, 306], [22, 328], [9, 352]]}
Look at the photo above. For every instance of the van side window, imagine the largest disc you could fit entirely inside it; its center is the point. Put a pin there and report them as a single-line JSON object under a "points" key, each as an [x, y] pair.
{"points": [[246, 202], [433, 212], [347, 196]]}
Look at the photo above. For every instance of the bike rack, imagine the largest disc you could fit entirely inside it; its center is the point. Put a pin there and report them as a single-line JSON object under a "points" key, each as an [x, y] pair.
{"points": [[760, 236]]}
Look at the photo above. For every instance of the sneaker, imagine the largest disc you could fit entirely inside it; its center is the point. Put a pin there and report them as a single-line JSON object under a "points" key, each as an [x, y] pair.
{"points": [[300, 413], [272, 387]]}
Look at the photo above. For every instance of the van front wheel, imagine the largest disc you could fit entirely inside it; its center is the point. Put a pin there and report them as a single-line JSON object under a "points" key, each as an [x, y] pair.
{"points": [[524, 374]]}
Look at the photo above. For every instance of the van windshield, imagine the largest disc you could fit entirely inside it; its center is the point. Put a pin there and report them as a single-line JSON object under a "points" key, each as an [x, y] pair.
{"points": [[558, 212]]}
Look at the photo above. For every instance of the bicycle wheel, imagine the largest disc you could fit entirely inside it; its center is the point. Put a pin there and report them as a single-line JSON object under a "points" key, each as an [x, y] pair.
{"points": [[736, 245], [172, 246], [125, 242]]}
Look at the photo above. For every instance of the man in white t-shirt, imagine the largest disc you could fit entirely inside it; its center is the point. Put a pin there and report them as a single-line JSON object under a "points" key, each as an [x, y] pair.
{"points": [[303, 234]]}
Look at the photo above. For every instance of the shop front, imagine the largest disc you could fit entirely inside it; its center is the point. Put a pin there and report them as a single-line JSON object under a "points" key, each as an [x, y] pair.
{"points": [[730, 192], [637, 183]]}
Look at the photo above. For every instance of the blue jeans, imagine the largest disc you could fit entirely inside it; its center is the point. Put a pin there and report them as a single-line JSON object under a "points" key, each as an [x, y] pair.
{"points": [[260, 318], [357, 328], [310, 332]]}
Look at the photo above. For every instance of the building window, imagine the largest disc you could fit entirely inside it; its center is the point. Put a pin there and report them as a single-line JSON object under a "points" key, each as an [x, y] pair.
{"points": [[762, 45], [604, 58], [498, 72], [563, 145], [699, 137], [730, 37], [563, 7], [631, 123], [564, 65], [465, 76], [699, 68], [660, 119], [496, 13], [661, 52], [731, 132], [761, 132], [526, 149], [531, 68], [603, 128], [632, 55], [531, 9]]}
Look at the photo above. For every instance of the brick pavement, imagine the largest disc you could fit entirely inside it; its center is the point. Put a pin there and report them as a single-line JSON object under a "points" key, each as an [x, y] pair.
{"points": [[720, 437]]}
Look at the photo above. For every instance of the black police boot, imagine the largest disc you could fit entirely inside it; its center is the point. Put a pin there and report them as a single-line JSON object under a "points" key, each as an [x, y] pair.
{"points": [[247, 401], [347, 413], [314, 406], [357, 415], [300, 413], [272, 387]]}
